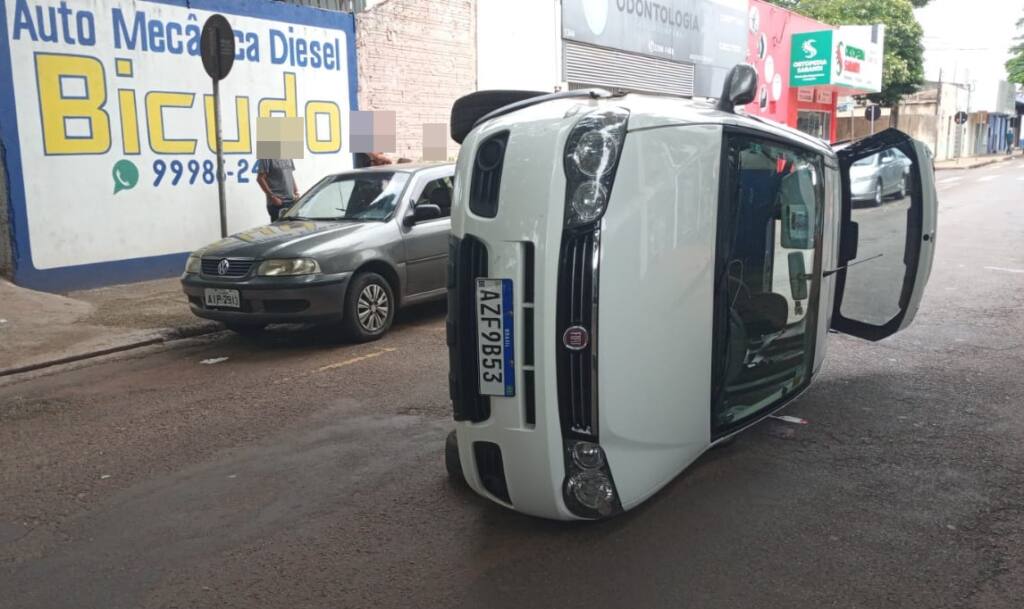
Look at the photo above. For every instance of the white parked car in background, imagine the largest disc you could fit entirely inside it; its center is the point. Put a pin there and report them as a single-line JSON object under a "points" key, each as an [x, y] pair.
{"points": [[634, 278]]}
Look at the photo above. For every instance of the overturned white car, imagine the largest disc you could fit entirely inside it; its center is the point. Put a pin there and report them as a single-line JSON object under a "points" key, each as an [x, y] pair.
{"points": [[633, 279]]}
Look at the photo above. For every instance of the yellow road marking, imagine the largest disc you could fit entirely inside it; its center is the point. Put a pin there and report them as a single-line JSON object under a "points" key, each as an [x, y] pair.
{"points": [[342, 364], [353, 360]]}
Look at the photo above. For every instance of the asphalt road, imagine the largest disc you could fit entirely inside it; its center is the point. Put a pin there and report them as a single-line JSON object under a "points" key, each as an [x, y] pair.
{"points": [[300, 473]]}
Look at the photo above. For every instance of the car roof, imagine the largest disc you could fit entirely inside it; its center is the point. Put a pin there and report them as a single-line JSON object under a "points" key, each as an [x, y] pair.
{"points": [[652, 110], [403, 167], [410, 168]]}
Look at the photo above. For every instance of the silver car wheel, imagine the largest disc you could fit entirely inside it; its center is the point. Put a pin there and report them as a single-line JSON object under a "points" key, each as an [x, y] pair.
{"points": [[878, 193], [373, 307]]}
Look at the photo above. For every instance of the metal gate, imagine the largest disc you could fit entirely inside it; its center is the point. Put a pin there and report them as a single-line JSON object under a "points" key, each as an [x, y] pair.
{"points": [[585, 65]]}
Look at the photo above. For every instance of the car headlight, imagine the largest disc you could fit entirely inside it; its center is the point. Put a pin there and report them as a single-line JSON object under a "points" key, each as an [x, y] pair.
{"points": [[288, 267], [194, 264], [591, 158]]}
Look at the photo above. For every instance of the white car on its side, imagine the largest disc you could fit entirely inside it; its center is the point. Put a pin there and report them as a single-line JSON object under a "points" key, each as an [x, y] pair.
{"points": [[634, 278]]}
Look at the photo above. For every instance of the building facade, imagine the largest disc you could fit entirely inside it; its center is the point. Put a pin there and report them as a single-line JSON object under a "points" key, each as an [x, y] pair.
{"points": [[109, 152], [416, 57]]}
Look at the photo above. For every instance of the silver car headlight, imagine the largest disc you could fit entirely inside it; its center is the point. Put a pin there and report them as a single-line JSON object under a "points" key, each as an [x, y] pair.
{"points": [[194, 264], [288, 267]]}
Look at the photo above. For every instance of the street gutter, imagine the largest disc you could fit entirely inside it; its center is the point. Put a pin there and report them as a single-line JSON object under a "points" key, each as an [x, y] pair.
{"points": [[171, 334]]}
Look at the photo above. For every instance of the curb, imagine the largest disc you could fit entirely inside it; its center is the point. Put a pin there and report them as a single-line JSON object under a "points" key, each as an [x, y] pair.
{"points": [[167, 335], [975, 166]]}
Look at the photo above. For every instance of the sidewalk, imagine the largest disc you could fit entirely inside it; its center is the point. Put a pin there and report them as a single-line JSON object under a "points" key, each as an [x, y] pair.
{"points": [[971, 162], [38, 329]]}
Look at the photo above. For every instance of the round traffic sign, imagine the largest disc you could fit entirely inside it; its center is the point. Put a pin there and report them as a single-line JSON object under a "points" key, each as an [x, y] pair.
{"points": [[873, 112], [960, 117], [217, 47]]}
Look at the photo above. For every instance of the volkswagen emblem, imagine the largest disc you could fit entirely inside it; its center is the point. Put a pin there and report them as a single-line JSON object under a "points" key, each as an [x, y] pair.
{"points": [[223, 267], [576, 338]]}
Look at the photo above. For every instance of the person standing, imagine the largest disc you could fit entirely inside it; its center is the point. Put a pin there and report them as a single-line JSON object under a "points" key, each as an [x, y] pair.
{"points": [[276, 179]]}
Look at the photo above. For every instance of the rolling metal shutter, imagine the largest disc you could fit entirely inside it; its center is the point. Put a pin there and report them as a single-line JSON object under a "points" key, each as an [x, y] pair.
{"points": [[585, 65]]}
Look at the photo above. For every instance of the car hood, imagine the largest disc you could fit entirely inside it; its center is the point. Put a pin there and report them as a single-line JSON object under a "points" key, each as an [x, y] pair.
{"points": [[288, 239]]}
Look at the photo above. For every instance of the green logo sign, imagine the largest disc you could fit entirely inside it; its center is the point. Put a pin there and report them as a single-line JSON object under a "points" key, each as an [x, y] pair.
{"points": [[126, 175], [811, 59], [854, 53]]}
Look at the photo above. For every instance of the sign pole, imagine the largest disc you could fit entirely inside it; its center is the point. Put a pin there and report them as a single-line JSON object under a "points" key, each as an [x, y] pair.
{"points": [[218, 54], [220, 161]]}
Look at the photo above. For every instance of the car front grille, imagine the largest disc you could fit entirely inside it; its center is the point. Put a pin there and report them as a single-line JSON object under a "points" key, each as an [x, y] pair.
{"points": [[236, 267], [577, 289], [467, 261]]}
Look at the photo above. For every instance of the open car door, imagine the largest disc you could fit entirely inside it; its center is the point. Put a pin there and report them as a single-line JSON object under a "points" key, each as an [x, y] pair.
{"points": [[887, 234]]}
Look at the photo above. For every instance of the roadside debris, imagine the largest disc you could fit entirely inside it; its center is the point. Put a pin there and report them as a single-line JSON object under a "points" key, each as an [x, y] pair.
{"points": [[788, 419], [214, 360]]}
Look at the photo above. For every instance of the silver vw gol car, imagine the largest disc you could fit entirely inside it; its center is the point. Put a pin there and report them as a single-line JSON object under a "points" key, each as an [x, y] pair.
{"points": [[352, 249]]}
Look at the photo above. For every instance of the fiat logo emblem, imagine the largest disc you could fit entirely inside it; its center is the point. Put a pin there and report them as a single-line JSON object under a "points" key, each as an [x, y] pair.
{"points": [[576, 338], [223, 267]]}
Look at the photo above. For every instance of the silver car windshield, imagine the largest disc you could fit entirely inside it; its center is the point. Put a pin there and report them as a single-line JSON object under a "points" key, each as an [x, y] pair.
{"points": [[366, 196]]}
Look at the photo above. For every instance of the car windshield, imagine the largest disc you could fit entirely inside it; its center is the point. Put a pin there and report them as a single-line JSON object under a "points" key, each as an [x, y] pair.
{"points": [[363, 196]]}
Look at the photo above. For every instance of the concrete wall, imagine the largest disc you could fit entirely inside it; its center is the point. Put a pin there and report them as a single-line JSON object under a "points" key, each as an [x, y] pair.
{"points": [[519, 44], [416, 57]]}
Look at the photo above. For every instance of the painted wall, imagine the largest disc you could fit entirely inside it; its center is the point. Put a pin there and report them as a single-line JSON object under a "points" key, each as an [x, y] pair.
{"points": [[416, 57], [106, 119], [770, 29], [519, 45]]}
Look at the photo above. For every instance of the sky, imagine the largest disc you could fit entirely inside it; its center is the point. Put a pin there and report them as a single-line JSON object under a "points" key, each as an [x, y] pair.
{"points": [[968, 38]]}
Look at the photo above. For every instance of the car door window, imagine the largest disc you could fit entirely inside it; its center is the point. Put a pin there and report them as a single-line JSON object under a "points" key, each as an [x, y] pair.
{"points": [[438, 192], [873, 289], [768, 250]]}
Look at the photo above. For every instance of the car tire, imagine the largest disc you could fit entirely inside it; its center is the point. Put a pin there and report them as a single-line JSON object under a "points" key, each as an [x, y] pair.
{"points": [[369, 308], [468, 109], [452, 463], [879, 196], [902, 193], [245, 329]]}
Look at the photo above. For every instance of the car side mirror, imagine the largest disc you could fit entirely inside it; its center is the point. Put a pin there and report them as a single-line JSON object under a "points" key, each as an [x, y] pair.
{"points": [[421, 213], [797, 276], [740, 87]]}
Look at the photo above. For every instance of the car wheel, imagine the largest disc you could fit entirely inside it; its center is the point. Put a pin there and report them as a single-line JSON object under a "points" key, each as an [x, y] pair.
{"points": [[451, 458], [369, 307], [245, 329], [903, 186], [878, 194]]}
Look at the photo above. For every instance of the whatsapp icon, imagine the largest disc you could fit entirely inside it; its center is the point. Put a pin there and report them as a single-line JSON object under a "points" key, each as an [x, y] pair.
{"points": [[126, 175]]}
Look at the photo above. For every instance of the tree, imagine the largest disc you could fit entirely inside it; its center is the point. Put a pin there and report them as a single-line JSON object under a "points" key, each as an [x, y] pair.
{"points": [[903, 67], [1015, 66]]}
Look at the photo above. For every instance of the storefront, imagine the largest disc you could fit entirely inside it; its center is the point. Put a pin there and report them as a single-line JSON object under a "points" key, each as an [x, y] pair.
{"points": [[109, 155], [680, 47], [805, 66]]}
